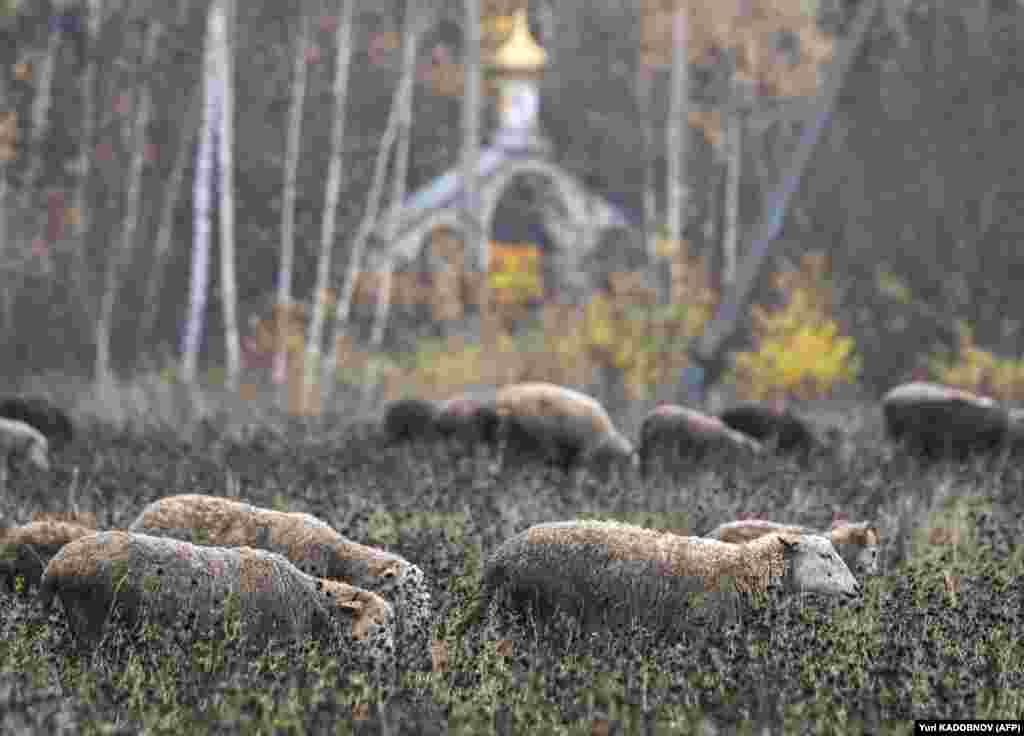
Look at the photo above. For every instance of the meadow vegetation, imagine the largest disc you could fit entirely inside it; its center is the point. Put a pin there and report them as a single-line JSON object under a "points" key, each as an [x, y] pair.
{"points": [[938, 633]]}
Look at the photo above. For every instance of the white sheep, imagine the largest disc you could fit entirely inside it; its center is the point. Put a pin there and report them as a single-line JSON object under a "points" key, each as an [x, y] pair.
{"points": [[608, 573], [169, 579], [856, 542], [308, 542]]}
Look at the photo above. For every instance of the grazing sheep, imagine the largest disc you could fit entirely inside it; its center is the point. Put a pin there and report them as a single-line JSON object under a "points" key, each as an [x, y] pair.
{"points": [[410, 420], [673, 434], [309, 543], [937, 421], [856, 542], [174, 579], [773, 426], [559, 425], [20, 440], [470, 419], [82, 518], [37, 412], [621, 572], [25, 550]]}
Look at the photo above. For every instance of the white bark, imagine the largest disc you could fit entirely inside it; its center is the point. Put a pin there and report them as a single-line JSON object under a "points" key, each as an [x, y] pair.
{"points": [[133, 195], [229, 290], [677, 130], [734, 165], [343, 56], [293, 146], [201, 195], [86, 150], [40, 114], [401, 167]]}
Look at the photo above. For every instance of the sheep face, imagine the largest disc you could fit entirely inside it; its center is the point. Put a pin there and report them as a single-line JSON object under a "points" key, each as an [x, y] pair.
{"points": [[816, 567], [858, 544]]}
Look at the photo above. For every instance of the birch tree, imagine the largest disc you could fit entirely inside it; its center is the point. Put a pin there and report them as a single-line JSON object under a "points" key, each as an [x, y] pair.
{"points": [[83, 170], [41, 103], [733, 175], [133, 195], [343, 55], [472, 231], [228, 288], [358, 248], [201, 192], [403, 101], [677, 130], [293, 146]]}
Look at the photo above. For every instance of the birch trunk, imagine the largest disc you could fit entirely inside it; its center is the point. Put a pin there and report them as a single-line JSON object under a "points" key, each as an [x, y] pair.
{"points": [[734, 164], [172, 194], [649, 200], [133, 196], [343, 55], [410, 37], [79, 264], [355, 258], [40, 117], [228, 283], [678, 131], [293, 146], [201, 195], [472, 230]]}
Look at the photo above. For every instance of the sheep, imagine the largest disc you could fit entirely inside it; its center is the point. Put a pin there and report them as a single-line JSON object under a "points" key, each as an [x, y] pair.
{"points": [[557, 424], [309, 543], [25, 550], [856, 542], [470, 419], [18, 441], [671, 433], [173, 579], [936, 421], [622, 573], [410, 420], [53, 422], [773, 426]]}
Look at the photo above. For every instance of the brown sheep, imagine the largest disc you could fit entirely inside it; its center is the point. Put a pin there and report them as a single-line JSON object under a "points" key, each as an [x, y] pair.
{"points": [[773, 426], [856, 542], [170, 579], [410, 420], [309, 543], [25, 550], [671, 434], [604, 568], [470, 419], [562, 426], [935, 421]]}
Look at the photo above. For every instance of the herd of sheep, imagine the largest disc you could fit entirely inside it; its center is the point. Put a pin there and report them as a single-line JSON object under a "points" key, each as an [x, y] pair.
{"points": [[294, 576]]}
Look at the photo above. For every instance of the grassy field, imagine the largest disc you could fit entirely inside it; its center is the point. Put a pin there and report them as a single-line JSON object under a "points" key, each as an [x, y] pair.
{"points": [[939, 634]]}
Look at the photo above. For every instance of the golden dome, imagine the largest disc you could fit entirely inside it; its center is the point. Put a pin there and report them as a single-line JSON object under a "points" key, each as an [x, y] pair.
{"points": [[520, 53]]}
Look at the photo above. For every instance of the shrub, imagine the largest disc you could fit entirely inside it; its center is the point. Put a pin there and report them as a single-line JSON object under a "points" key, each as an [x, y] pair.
{"points": [[976, 369], [800, 349]]}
